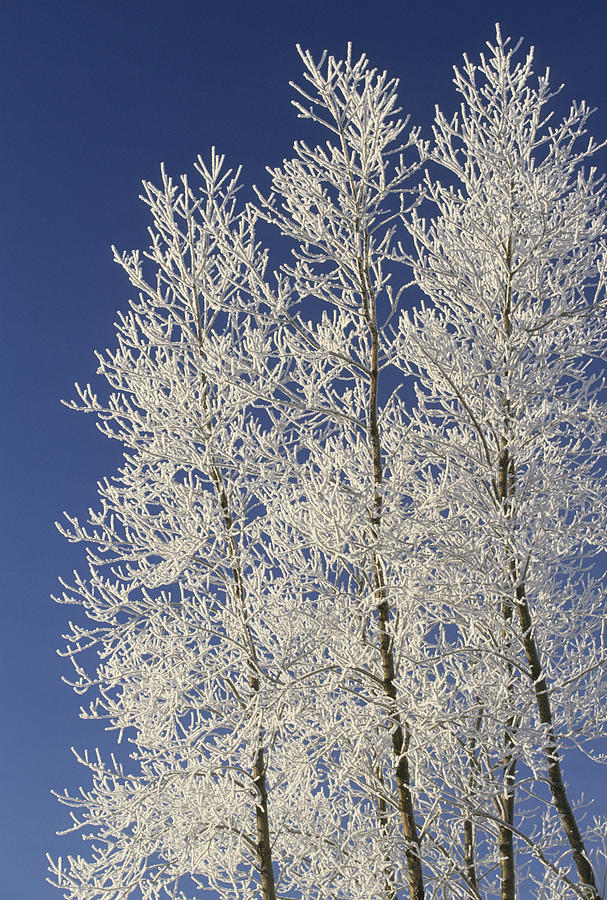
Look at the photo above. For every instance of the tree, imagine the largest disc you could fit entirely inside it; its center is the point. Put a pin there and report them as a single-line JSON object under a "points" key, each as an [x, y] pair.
{"points": [[512, 427], [327, 621]]}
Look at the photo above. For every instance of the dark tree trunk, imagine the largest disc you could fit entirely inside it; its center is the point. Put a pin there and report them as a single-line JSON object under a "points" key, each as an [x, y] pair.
{"points": [[264, 847], [398, 728], [553, 764]]}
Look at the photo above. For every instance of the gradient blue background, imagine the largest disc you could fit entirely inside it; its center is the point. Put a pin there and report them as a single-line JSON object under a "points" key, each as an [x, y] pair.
{"points": [[93, 97]]}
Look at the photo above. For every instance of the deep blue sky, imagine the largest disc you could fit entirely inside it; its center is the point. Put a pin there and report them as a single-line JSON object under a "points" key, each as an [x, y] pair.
{"points": [[94, 96]]}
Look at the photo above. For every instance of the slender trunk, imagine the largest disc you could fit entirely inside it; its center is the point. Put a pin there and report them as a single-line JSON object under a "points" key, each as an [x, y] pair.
{"points": [[469, 829], [506, 492], [400, 745], [469, 855], [263, 845], [505, 495], [505, 837], [555, 777], [399, 730], [506, 802], [390, 891]]}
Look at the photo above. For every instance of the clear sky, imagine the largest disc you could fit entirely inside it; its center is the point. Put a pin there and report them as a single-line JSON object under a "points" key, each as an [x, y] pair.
{"points": [[94, 96]]}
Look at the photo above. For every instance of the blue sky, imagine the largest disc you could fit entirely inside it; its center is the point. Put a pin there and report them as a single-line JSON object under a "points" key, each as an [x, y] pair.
{"points": [[94, 96]]}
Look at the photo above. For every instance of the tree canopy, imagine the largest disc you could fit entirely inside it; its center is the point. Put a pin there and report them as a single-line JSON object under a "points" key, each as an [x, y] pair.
{"points": [[345, 596]]}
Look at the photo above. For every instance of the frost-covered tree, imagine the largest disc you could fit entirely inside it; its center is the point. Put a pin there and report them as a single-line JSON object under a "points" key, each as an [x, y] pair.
{"points": [[511, 427], [247, 425], [178, 576], [334, 626]]}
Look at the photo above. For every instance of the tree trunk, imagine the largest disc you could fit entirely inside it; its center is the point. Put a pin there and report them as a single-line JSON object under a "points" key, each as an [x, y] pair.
{"points": [[555, 777], [263, 844], [398, 729], [400, 745], [505, 836], [390, 891], [264, 847], [506, 492], [469, 829]]}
